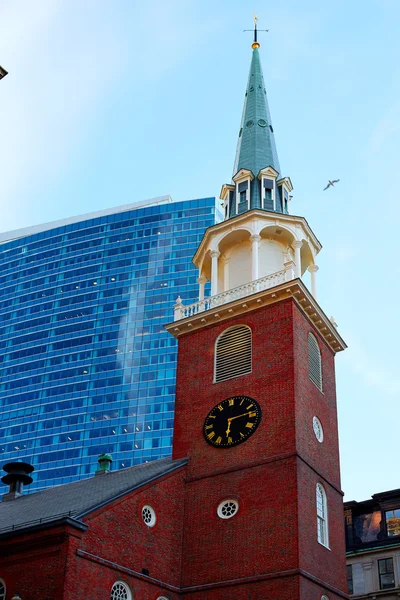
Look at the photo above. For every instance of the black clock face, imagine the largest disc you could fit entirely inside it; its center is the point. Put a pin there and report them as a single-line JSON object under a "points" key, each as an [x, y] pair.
{"points": [[232, 421]]}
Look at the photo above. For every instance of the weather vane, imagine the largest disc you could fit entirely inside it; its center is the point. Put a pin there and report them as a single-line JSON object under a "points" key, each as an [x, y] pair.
{"points": [[255, 43]]}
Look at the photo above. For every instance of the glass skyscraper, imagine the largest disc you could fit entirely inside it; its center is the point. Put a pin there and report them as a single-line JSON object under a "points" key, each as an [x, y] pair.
{"points": [[86, 365]]}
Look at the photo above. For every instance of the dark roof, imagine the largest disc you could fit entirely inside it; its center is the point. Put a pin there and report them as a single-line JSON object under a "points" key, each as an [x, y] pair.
{"points": [[79, 498]]}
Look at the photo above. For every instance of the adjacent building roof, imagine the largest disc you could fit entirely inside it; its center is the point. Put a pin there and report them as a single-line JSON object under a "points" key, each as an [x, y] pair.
{"points": [[79, 498]]}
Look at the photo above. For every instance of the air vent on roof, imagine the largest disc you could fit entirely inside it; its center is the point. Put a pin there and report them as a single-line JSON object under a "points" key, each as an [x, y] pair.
{"points": [[233, 353]]}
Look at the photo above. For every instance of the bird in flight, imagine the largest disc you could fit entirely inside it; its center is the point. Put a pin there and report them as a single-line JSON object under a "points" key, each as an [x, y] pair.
{"points": [[331, 183]]}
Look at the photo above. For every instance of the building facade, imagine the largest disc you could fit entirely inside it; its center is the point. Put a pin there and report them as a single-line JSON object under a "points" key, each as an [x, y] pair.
{"points": [[86, 365], [373, 546]]}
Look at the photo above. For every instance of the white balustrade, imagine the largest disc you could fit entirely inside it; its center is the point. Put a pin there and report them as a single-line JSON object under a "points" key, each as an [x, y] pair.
{"points": [[242, 291]]}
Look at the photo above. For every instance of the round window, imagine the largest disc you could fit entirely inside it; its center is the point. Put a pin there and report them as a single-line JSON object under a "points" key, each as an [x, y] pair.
{"points": [[227, 509], [249, 123], [319, 433], [262, 123], [120, 591], [149, 515], [162, 598]]}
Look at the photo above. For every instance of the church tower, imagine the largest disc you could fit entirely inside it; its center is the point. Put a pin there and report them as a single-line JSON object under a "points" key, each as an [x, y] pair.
{"points": [[255, 393]]}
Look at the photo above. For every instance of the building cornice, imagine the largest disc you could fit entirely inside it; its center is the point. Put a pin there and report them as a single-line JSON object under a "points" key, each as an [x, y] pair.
{"points": [[236, 222], [294, 289]]}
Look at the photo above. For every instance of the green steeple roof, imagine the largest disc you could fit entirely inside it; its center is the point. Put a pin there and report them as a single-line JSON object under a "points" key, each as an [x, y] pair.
{"points": [[256, 145]]}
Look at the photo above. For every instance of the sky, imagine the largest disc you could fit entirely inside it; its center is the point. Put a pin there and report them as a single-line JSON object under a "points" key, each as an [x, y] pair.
{"points": [[108, 103]]}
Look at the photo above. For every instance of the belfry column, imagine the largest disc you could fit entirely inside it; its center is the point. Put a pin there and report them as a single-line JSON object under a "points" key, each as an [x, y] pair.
{"points": [[297, 257], [313, 270], [254, 256], [201, 281], [214, 272]]}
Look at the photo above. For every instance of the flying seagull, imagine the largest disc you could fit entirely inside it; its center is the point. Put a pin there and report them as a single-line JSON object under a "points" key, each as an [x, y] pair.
{"points": [[331, 183]]}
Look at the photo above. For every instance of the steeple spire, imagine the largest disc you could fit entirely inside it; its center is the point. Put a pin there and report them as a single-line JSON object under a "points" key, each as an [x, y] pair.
{"points": [[256, 157]]}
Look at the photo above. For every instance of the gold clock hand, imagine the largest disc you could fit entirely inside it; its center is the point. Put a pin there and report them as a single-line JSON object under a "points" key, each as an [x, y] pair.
{"points": [[238, 416]]}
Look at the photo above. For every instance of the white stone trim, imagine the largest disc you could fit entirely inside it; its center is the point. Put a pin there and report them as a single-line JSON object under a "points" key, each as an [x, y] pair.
{"points": [[318, 429], [254, 221], [228, 508], [200, 315], [322, 516], [120, 586], [149, 515]]}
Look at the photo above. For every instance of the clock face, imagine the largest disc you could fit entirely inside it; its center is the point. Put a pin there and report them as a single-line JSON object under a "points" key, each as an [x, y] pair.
{"points": [[232, 421]]}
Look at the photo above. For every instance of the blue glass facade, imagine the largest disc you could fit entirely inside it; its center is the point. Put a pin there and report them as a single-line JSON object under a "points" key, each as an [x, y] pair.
{"points": [[86, 366]]}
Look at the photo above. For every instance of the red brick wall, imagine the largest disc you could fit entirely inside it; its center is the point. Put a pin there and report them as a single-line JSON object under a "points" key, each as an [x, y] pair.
{"points": [[118, 534], [326, 564], [277, 498], [34, 565], [271, 383], [260, 539], [311, 401]]}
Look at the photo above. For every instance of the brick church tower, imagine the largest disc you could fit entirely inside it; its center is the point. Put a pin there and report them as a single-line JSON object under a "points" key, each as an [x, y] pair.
{"points": [[255, 399]]}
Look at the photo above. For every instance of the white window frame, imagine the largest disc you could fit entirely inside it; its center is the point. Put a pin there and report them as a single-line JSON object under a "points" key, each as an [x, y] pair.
{"points": [[272, 191], [322, 515], [247, 193], [221, 506], [153, 517], [125, 586]]}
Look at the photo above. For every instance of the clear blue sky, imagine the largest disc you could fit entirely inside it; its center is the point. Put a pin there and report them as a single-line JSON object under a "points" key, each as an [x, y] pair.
{"points": [[111, 102]]}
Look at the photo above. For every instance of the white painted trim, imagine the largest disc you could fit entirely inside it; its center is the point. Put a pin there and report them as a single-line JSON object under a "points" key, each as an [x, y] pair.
{"points": [[325, 543], [221, 308], [247, 193]]}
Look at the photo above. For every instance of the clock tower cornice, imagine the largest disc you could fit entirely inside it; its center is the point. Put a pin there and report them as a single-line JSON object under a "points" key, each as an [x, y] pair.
{"points": [[294, 289]]}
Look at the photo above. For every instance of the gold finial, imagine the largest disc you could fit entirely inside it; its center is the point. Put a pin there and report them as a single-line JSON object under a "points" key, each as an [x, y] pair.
{"points": [[255, 43]]}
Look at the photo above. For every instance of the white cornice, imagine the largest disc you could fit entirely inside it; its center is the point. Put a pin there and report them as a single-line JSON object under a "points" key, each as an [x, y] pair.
{"points": [[294, 289], [243, 174], [227, 187], [287, 181], [236, 222], [268, 171]]}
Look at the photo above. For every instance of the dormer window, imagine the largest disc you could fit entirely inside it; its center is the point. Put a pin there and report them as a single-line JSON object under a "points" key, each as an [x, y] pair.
{"points": [[269, 196], [231, 204], [243, 187], [285, 201]]}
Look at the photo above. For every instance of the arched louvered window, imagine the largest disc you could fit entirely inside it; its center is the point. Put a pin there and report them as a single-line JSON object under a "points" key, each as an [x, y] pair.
{"points": [[233, 353], [322, 515], [314, 361], [2, 590]]}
